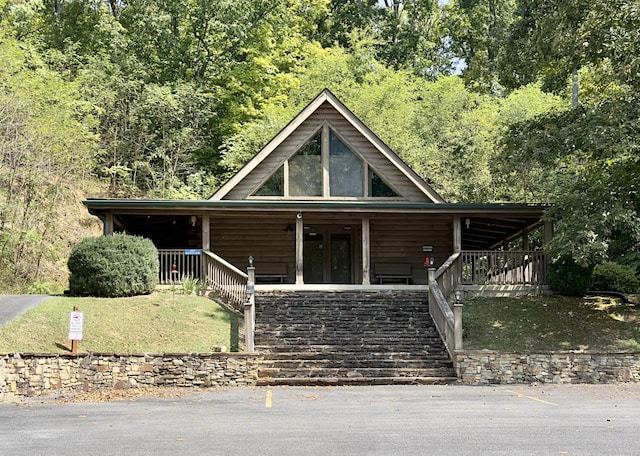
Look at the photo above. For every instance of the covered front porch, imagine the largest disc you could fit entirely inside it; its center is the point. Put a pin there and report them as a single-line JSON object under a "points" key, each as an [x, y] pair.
{"points": [[341, 243]]}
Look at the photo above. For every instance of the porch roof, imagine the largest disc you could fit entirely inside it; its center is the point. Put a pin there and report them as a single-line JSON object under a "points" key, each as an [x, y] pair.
{"points": [[488, 224], [96, 206]]}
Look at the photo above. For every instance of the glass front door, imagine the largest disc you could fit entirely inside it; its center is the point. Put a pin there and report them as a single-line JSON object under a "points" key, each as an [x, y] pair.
{"points": [[327, 257]]}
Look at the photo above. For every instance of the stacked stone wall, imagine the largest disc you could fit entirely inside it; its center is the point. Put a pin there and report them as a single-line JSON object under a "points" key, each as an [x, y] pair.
{"points": [[40, 374], [491, 367]]}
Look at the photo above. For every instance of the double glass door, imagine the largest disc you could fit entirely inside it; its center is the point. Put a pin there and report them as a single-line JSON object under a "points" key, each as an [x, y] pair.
{"points": [[327, 257]]}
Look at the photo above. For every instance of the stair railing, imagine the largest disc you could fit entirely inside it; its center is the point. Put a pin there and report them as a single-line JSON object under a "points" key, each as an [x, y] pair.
{"points": [[442, 285], [225, 281]]}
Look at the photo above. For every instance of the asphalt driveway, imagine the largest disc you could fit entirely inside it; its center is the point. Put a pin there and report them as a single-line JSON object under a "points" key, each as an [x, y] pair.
{"points": [[509, 420], [11, 306]]}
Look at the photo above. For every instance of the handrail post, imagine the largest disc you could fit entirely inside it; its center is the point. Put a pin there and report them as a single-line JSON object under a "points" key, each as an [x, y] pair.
{"points": [[250, 308], [457, 323], [431, 277]]}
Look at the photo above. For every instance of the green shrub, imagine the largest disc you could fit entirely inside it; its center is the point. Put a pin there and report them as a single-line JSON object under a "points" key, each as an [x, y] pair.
{"points": [[113, 266], [614, 277], [631, 259], [568, 278]]}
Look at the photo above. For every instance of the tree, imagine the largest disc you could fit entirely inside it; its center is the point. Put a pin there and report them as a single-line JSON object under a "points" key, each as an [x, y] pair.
{"points": [[477, 35], [591, 151], [46, 142]]}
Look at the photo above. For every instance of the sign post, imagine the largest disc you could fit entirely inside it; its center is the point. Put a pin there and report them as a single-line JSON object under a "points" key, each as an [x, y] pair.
{"points": [[76, 323]]}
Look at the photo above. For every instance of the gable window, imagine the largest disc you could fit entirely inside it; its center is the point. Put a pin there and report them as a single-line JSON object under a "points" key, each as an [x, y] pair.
{"points": [[305, 169], [325, 166], [345, 169]]}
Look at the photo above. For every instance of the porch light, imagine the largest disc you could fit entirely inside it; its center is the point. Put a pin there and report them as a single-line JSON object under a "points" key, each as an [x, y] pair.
{"points": [[467, 222], [251, 261], [458, 296], [193, 219]]}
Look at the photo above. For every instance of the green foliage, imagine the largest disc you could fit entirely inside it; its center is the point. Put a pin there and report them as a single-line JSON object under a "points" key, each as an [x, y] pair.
{"points": [[478, 32], [614, 277], [113, 266], [46, 144], [191, 285], [568, 278], [47, 288]]}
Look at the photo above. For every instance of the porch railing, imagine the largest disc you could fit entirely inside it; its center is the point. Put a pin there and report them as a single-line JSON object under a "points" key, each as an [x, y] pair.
{"points": [[178, 264], [494, 267], [224, 280]]}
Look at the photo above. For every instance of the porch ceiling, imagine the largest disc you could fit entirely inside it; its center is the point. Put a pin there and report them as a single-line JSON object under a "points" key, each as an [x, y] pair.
{"points": [[487, 233]]}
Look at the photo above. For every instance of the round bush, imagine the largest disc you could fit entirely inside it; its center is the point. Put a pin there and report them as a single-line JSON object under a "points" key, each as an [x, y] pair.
{"points": [[614, 277], [568, 278], [113, 266]]}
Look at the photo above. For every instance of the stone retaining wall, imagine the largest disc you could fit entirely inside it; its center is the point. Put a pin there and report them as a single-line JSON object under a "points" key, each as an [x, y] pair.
{"points": [[39, 374], [489, 367]]}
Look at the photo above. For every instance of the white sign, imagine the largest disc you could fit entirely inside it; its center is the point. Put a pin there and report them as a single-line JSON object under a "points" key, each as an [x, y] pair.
{"points": [[76, 322]]}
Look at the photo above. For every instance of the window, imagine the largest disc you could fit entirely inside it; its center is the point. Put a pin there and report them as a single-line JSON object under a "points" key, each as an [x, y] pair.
{"points": [[345, 169], [305, 169], [379, 188], [304, 174], [274, 186]]}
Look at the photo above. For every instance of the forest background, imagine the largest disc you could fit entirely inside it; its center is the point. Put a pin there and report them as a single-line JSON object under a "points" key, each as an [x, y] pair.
{"points": [[488, 100]]}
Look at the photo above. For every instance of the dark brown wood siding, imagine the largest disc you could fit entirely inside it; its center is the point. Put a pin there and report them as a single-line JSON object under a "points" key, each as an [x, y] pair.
{"points": [[395, 238], [399, 238]]}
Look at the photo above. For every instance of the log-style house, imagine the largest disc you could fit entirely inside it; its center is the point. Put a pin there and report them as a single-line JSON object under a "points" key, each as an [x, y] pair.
{"points": [[327, 205]]}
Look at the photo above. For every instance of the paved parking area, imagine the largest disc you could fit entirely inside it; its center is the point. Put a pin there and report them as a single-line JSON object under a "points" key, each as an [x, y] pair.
{"points": [[381, 420]]}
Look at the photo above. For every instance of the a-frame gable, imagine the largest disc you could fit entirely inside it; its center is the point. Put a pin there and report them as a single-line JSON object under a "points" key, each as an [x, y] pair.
{"points": [[326, 113]]}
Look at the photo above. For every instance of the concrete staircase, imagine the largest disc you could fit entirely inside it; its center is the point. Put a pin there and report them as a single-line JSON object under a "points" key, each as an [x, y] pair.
{"points": [[338, 338]]}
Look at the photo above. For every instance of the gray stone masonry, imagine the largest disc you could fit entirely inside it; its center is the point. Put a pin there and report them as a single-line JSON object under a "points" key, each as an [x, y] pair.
{"points": [[36, 374], [490, 367]]}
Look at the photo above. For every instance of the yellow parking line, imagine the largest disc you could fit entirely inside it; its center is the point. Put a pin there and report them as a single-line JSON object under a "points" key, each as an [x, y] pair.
{"points": [[267, 402], [532, 398]]}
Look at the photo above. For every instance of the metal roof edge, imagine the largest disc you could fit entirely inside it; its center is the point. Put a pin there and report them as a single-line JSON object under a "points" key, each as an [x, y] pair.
{"points": [[96, 203]]}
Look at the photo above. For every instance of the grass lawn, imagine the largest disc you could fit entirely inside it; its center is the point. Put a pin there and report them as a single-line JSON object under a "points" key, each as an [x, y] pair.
{"points": [[531, 324], [156, 323]]}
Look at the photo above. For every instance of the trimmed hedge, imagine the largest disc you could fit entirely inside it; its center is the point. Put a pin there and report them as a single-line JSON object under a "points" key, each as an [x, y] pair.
{"points": [[113, 266], [614, 277], [568, 278]]}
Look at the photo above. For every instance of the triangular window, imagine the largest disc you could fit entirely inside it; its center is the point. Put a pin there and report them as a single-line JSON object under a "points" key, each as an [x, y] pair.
{"points": [[379, 188], [325, 169], [274, 186]]}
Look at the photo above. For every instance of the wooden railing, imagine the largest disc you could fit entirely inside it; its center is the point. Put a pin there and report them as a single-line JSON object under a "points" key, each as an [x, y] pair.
{"points": [[179, 264], [494, 267], [224, 280], [442, 285]]}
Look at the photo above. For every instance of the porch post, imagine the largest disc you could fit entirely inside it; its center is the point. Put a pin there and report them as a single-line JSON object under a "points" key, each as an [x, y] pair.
{"points": [[206, 232], [108, 224], [457, 234], [299, 251], [366, 251], [548, 232]]}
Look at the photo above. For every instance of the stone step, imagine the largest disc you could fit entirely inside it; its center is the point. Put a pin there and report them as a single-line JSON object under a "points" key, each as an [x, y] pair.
{"points": [[346, 381], [324, 364], [347, 352], [354, 372]]}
